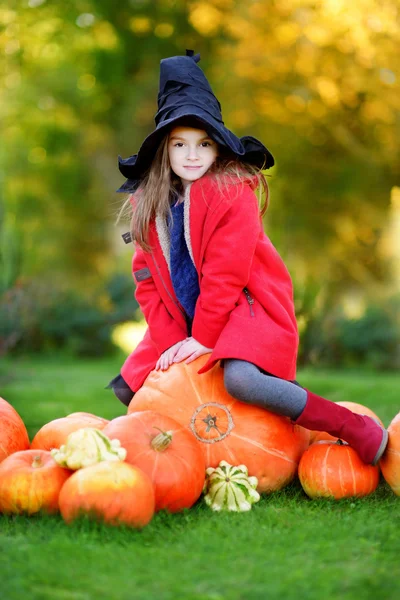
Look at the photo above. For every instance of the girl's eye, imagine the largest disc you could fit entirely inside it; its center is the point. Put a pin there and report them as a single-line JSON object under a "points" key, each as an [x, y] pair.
{"points": [[203, 144]]}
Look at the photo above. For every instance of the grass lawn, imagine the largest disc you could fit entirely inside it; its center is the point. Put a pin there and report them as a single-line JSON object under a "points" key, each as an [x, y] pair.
{"points": [[287, 547]]}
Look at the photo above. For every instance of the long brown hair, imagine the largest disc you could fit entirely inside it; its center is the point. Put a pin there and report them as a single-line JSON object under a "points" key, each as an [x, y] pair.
{"points": [[160, 185]]}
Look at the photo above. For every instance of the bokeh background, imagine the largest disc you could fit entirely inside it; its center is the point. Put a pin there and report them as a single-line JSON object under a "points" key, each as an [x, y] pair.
{"points": [[317, 82]]}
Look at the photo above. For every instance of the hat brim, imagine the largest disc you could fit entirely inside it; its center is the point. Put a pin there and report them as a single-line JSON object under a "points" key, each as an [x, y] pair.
{"points": [[247, 148]]}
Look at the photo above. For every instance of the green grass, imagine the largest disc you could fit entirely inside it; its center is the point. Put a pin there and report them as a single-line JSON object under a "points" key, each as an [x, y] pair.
{"points": [[287, 547]]}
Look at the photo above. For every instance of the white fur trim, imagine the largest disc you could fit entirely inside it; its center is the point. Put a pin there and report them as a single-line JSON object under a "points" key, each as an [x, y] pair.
{"points": [[164, 238], [186, 221]]}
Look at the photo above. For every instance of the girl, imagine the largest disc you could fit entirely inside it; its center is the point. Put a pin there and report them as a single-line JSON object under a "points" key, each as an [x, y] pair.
{"points": [[208, 278]]}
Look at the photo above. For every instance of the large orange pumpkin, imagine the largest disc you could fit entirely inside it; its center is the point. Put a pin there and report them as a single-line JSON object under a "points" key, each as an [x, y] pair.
{"points": [[334, 469], [359, 409], [268, 444], [114, 492], [167, 452], [54, 434], [390, 461], [30, 481], [13, 433]]}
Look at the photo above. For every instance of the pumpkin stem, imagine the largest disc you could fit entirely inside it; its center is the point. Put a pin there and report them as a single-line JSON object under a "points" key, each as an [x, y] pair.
{"points": [[37, 461], [162, 440]]}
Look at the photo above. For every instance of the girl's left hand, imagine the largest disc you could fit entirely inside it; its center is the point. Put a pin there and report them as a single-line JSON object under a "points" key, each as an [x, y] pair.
{"points": [[190, 349]]}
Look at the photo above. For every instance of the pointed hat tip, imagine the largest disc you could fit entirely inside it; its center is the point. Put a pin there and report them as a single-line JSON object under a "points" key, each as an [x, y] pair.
{"points": [[196, 57]]}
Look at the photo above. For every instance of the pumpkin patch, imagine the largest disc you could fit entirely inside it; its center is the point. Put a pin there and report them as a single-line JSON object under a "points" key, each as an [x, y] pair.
{"points": [[13, 433], [184, 435], [390, 461], [113, 492], [55, 433], [331, 469], [268, 444], [30, 481], [167, 452]]}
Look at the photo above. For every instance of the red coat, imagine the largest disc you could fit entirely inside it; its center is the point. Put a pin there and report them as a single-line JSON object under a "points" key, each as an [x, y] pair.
{"points": [[225, 237]]}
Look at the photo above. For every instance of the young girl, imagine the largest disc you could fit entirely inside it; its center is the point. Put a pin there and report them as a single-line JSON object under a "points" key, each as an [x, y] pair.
{"points": [[208, 278]]}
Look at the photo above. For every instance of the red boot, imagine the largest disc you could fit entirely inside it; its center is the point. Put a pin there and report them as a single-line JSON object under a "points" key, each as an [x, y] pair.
{"points": [[362, 433]]}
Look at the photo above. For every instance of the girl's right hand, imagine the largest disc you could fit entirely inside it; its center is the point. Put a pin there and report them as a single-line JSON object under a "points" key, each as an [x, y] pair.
{"points": [[167, 357]]}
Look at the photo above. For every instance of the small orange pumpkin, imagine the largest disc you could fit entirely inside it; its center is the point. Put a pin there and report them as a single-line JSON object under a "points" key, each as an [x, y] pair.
{"points": [[167, 452], [359, 409], [390, 461], [113, 492], [268, 444], [54, 434], [13, 433], [334, 469], [30, 481]]}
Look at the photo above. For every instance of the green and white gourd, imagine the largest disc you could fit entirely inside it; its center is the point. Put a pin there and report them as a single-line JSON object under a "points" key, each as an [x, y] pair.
{"points": [[86, 447], [229, 488]]}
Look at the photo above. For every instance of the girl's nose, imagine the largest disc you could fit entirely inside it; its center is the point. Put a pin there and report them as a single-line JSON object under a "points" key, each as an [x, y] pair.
{"points": [[192, 153]]}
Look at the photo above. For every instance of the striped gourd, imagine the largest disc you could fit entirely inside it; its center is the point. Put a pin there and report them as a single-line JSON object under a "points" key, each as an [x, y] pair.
{"points": [[86, 447], [230, 488]]}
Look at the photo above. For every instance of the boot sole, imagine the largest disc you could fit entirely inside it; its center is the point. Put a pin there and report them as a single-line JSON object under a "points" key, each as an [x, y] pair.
{"points": [[382, 447]]}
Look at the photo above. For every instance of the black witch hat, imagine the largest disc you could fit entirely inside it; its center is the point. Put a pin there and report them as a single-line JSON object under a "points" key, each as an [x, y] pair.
{"points": [[185, 92]]}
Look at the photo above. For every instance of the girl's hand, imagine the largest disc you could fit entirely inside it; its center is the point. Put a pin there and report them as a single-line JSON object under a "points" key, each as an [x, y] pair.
{"points": [[190, 349], [168, 356]]}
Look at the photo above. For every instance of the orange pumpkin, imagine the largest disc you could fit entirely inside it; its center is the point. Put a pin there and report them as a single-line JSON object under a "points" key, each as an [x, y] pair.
{"points": [[167, 452], [359, 409], [13, 433], [30, 481], [390, 461], [54, 434], [113, 492], [268, 444], [334, 469]]}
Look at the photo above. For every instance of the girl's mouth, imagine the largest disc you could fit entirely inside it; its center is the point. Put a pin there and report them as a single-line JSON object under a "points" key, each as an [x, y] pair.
{"points": [[192, 167]]}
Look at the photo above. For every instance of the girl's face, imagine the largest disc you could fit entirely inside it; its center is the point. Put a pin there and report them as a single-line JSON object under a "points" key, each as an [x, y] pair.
{"points": [[191, 153]]}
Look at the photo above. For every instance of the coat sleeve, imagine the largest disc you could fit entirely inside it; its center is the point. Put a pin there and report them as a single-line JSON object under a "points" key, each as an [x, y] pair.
{"points": [[164, 330], [226, 266]]}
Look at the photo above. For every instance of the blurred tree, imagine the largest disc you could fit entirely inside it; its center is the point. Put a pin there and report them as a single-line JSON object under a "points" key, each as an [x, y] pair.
{"points": [[74, 90], [317, 82]]}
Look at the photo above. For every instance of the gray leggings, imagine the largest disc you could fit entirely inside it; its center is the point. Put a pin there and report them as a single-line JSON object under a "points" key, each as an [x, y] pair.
{"points": [[248, 383]]}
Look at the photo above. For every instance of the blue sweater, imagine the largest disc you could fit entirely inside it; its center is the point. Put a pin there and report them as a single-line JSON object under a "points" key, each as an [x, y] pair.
{"points": [[183, 272]]}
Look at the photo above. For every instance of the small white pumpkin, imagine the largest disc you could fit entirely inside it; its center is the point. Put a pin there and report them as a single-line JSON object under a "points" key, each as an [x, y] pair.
{"points": [[86, 447], [230, 488]]}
